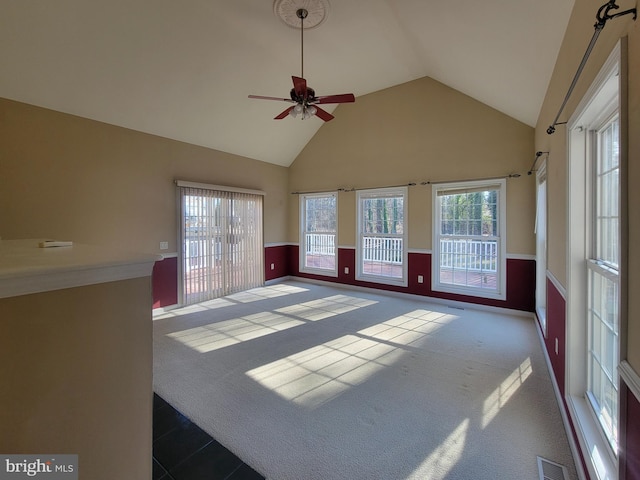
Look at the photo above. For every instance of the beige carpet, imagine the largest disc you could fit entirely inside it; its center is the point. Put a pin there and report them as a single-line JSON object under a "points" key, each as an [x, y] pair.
{"points": [[306, 381]]}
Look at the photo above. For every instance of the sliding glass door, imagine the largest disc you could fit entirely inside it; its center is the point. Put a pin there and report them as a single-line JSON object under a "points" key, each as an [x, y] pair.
{"points": [[221, 239]]}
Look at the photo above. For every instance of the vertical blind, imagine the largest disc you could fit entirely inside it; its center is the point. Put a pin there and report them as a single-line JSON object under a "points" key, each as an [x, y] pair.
{"points": [[221, 240]]}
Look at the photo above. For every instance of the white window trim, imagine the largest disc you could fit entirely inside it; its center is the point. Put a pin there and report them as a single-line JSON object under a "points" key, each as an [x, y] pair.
{"points": [[365, 277], [541, 277], [316, 271], [601, 461], [501, 292]]}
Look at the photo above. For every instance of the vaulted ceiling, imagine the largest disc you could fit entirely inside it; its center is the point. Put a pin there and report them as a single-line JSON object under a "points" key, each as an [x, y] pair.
{"points": [[183, 69]]}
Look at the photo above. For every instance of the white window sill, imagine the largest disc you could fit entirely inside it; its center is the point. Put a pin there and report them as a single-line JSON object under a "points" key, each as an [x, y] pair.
{"points": [[398, 282], [541, 313], [320, 271], [469, 292], [600, 460]]}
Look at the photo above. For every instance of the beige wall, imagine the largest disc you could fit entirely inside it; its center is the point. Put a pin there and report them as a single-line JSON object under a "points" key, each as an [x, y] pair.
{"points": [[70, 178], [419, 131], [77, 377], [579, 32]]}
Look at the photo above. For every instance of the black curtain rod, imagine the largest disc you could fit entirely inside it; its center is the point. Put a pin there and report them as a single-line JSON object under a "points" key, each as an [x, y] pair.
{"points": [[411, 184], [535, 160], [511, 175], [353, 189], [601, 19]]}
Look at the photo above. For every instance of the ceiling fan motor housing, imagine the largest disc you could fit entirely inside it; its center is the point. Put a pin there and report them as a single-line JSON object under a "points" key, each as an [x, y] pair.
{"points": [[310, 96]]}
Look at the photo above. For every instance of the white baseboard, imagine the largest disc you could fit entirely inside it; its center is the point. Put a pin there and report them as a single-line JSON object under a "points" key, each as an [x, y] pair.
{"points": [[575, 450], [425, 298]]}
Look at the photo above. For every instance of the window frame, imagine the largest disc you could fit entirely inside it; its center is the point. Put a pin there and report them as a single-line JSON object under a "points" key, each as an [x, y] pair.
{"points": [[500, 293], [303, 235], [386, 192], [607, 272], [542, 243], [603, 98]]}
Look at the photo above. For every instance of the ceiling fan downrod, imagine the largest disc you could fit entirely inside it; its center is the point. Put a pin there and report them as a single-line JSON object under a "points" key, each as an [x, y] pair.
{"points": [[302, 13]]}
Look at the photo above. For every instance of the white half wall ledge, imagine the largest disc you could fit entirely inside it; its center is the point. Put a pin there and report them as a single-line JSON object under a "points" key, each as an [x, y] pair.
{"points": [[25, 268]]}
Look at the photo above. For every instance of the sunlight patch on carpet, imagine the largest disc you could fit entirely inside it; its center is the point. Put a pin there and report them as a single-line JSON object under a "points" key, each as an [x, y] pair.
{"points": [[409, 329], [197, 308], [218, 335], [248, 296], [442, 460], [315, 376], [325, 307], [501, 395], [264, 293]]}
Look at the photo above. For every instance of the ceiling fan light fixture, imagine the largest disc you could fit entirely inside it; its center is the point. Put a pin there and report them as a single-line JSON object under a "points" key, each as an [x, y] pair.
{"points": [[305, 112], [297, 110]]}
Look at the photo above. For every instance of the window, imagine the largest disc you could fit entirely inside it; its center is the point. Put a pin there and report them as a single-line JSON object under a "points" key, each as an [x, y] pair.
{"points": [[318, 223], [381, 254], [469, 242], [221, 238], [594, 310], [541, 247], [603, 281]]}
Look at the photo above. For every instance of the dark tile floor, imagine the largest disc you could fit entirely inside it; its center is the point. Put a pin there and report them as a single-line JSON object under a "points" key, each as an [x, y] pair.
{"points": [[183, 451]]}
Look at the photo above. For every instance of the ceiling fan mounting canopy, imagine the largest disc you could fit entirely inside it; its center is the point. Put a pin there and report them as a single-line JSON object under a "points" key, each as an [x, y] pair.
{"points": [[287, 12]]}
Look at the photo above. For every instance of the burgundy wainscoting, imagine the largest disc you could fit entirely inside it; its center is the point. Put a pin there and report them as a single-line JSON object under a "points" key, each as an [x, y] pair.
{"points": [[278, 256], [520, 279], [556, 329], [347, 259], [630, 434], [521, 284], [293, 252], [164, 282], [419, 264]]}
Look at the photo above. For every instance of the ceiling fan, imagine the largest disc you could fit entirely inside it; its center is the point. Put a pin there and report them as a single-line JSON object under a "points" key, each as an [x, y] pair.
{"points": [[304, 97]]}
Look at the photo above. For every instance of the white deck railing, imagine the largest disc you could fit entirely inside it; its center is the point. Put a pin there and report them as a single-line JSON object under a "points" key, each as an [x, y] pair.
{"points": [[320, 244], [465, 254], [375, 249], [382, 249], [468, 254]]}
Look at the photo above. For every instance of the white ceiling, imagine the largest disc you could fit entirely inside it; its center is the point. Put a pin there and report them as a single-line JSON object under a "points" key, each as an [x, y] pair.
{"points": [[183, 69]]}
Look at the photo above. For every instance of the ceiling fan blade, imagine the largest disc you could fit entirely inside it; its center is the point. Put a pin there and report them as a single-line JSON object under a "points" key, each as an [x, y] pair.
{"points": [[300, 86], [261, 97], [283, 114], [323, 114], [343, 98]]}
